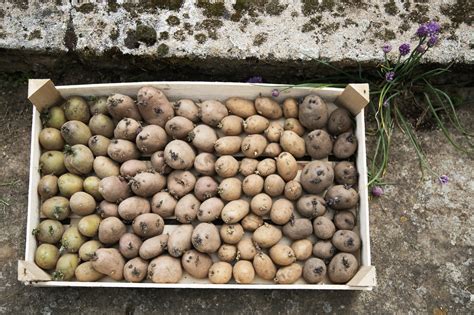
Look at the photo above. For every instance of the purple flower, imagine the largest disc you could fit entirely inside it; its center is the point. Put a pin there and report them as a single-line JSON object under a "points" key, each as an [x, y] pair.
{"points": [[421, 49], [256, 79], [275, 93], [387, 48], [432, 41], [389, 76], [404, 49], [377, 191], [443, 179], [433, 28], [422, 31]]}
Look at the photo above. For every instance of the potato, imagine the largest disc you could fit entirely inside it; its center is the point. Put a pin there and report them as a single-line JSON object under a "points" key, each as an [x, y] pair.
{"points": [[251, 222], [154, 246], [289, 274], [205, 188], [240, 107], [186, 209], [46, 256], [344, 220], [272, 150], [105, 167], [179, 127], [133, 167], [180, 183], [228, 145], [324, 249], [246, 249], [282, 254], [314, 270], [268, 108], [261, 204], [122, 106], [313, 112], [111, 230], [107, 209], [290, 108], [72, 239], [346, 241], [248, 166], [274, 185], [69, 184], [165, 269], [294, 125], [75, 132], [210, 210], [264, 266], [205, 238], [122, 150], [234, 211], [129, 245], [127, 129], [316, 176], [52, 162], [281, 211], [212, 112], [243, 272], [339, 122], [196, 264], [99, 106], [65, 267], [293, 144], [48, 186], [76, 108], [51, 139], [231, 125], [302, 248], [267, 235], [56, 208], [323, 228], [252, 185], [220, 272], [53, 117], [151, 138], [287, 166], [154, 107], [89, 225], [255, 124], [231, 233], [311, 206], [146, 184], [226, 166], [227, 253], [230, 189], [101, 124], [87, 250], [187, 108], [114, 188], [85, 272], [298, 229], [293, 190], [253, 145], [273, 131], [135, 270], [148, 225], [342, 268], [98, 145], [82, 203], [109, 262], [132, 207], [345, 145], [203, 138], [49, 231], [179, 240], [345, 173], [341, 197], [91, 186], [179, 155], [78, 159], [204, 163], [266, 167], [163, 203], [318, 144]]}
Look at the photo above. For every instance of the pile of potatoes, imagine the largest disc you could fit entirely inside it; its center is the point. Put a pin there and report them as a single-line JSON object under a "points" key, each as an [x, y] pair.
{"points": [[224, 176]]}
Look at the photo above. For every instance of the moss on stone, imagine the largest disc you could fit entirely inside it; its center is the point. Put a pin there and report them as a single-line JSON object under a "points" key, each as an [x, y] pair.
{"points": [[349, 21], [179, 35], [330, 28], [36, 34], [419, 14], [314, 6], [260, 39], [391, 7], [146, 34], [114, 34], [211, 8], [406, 5], [164, 35], [112, 5], [189, 28], [211, 26], [86, 8], [312, 23], [130, 40], [200, 38], [162, 50], [173, 20], [255, 7], [404, 27], [460, 12]]}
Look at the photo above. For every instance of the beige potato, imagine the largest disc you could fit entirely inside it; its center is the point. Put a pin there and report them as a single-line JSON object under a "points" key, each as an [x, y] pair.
{"points": [[129, 245], [98, 145], [107, 209], [196, 264], [313, 112], [133, 167], [132, 207], [146, 184], [314, 270], [286, 166], [154, 106], [220, 272], [212, 112], [165, 269], [274, 130], [179, 240], [345, 173], [154, 246], [151, 139], [158, 163], [241, 107], [204, 163], [163, 204], [51, 139], [205, 188], [266, 167], [65, 267], [272, 150], [230, 189], [78, 159], [282, 254], [210, 209], [187, 108], [231, 125], [72, 239], [203, 138], [294, 125], [267, 235], [268, 108], [248, 166], [87, 250], [341, 197], [82, 203], [121, 106], [226, 166], [205, 238], [311, 206], [69, 184], [179, 155], [344, 220], [339, 122], [318, 144], [316, 177], [231, 233], [252, 185], [227, 253], [180, 183], [298, 229], [86, 273], [48, 186], [324, 249], [234, 211], [246, 249], [111, 230], [52, 162], [105, 167], [148, 225], [274, 185], [76, 108], [127, 129], [114, 188], [243, 272], [89, 225], [293, 190], [49, 231], [255, 124], [342, 268], [264, 266], [91, 186], [251, 222], [187, 208], [228, 145], [109, 262], [253, 145], [346, 241], [302, 248], [46, 256], [75, 132], [261, 204], [323, 228], [345, 145], [53, 117], [99, 105], [282, 211], [289, 274], [292, 143], [135, 270], [290, 108], [179, 127], [122, 150]]}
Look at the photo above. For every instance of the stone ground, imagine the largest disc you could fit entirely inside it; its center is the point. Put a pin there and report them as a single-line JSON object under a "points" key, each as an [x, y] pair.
{"points": [[421, 233]]}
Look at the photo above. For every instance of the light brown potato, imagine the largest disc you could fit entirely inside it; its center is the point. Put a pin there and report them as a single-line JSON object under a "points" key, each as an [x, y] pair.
{"points": [[290, 108], [231, 125], [252, 185], [52, 162], [344, 220], [163, 204], [78, 159], [323, 228], [298, 229], [261, 204], [158, 163], [187, 208], [72, 239], [318, 144], [314, 270], [272, 150], [226, 166], [302, 248], [346, 241], [311, 206], [51, 139], [114, 188], [99, 105], [132, 207], [48, 186], [339, 122], [234, 211], [135, 270], [66, 266], [231, 233], [293, 190], [264, 266], [230, 189], [69, 184], [345, 173], [212, 112], [313, 112], [287, 166], [121, 106], [151, 138], [105, 167], [111, 230], [282, 211], [54, 117], [129, 245], [294, 125], [220, 272], [122, 150], [133, 167], [165, 269], [248, 166], [154, 246], [274, 185], [91, 186], [255, 124], [240, 107], [203, 138], [187, 108], [85, 272], [196, 264], [293, 144], [101, 124], [89, 225], [282, 254], [82, 203], [127, 129], [46, 256], [204, 163], [49, 231], [243, 272], [179, 127], [274, 130], [289, 274], [251, 222], [146, 184], [98, 145], [268, 108], [205, 188], [210, 210], [205, 238], [228, 145], [109, 262], [266, 167], [76, 108], [75, 132], [179, 240], [341, 197], [180, 183], [345, 145], [227, 253], [246, 249], [148, 225], [316, 176], [179, 155], [253, 145], [107, 209], [267, 235], [154, 106], [342, 268], [324, 249]]}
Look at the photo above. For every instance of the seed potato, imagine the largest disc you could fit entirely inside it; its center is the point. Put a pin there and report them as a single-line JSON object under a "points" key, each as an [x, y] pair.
{"points": [[289, 274], [290, 108], [339, 122], [226, 166], [75, 132], [311, 206], [114, 188], [98, 145], [154, 106], [48, 186], [107, 209], [341, 197], [323, 228], [317, 176], [234, 211], [196, 264], [89, 225], [179, 127], [282, 254], [82, 203], [203, 138], [69, 184], [231, 233], [293, 124], [133, 167], [187, 208], [302, 248], [264, 266], [205, 238], [210, 210], [110, 262], [228, 145], [179, 240], [345, 173], [111, 230], [46, 256], [148, 225], [281, 211], [179, 155], [105, 167], [292, 143], [204, 163], [267, 235], [56, 208], [268, 108], [252, 185], [243, 272], [227, 253], [187, 108], [261, 204], [101, 124], [346, 241], [158, 163], [205, 188], [318, 144], [293, 190], [287, 166], [313, 112], [246, 249], [273, 131], [255, 124], [52, 163], [76, 108], [72, 239], [154, 246], [66, 266], [135, 270], [53, 117], [180, 183], [272, 150], [231, 125], [165, 269], [251, 222], [99, 106], [298, 229], [220, 272], [345, 145], [151, 139], [248, 166], [87, 250], [122, 106], [146, 184], [253, 145], [122, 150], [344, 220], [212, 112], [324, 249], [132, 207], [314, 270], [240, 107], [274, 185], [49, 231], [266, 167], [230, 189], [342, 268], [86, 273], [51, 139], [91, 186]]}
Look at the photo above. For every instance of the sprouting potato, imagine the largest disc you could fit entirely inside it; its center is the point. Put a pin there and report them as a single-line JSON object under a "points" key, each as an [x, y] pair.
{"points": [[205, 188], [158, 163], [290, 108], [75, 132], [148, 225], [51, 139], [324, 249], [53, 117], [345, 145], [210, 209], [180, 183], [99, 106], [78, 159], [240, 107], [151, 138], [341, 197], [339, 122], [268, 108], [46, 256], [203, 138], [104, 167], [231, 233], [135, 270], [252, 185], [266, 167], [82, 203], [344, 220], [272, 150], [282, 254], [122, 106], [66, 266], [274, 185], [132, 207], [255, 124], [248, 166], [314, 270], [130, 245], [254, 145], [346, 241], [287, 166], [212, 112], [101, 124], [345, 173], [204, 163], [231, 125], [114, 188], [246, 249], [165, 269], [302, 248], [228, 145], [294, 125], [107, 209], [91, 186], [187, 108], [98, 145], [48, 186], [179, 155], [316, 177], [313, 112], [205, 238], [264, 266], [293, 190], [251, 222], [52, 163], [111, 230], [154, 246], [267, 235], [146, 184], [323, 228], [72, 239], [196, 264], [179, 127], [311, 206], [110, 262], [220, 272], [179, 240], [76, 108], [86, 273], [227, 253], [318, 144], [293, 144], [273, 131], [261, 204], [56, 208], [298, 229], [163, 203], [342, 268], [89, 225], [49, 231], [234, 211], [87, 250], [288, 274], [226, 166], [186, 209], [122, 150], [69, 184], [230, 189], [127, 129]]}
